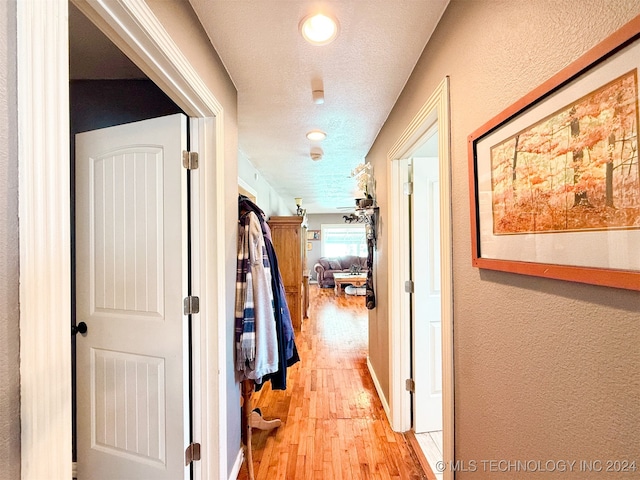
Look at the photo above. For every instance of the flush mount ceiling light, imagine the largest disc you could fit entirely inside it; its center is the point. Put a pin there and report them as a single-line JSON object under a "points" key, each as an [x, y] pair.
{"points": [[319, 29], [316, 135]]}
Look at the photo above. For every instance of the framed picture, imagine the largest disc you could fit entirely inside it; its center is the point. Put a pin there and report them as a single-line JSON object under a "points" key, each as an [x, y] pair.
{"points": [[554, 179], [313, 234]]}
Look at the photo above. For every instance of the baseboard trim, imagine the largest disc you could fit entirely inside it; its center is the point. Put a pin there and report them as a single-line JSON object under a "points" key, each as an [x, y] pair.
{"points": [[237, 465], [409, 435], [417, 451], [376, 383]]}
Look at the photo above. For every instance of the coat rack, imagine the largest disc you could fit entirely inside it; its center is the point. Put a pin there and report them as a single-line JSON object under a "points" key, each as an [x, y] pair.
{"points": [[252, 418]]}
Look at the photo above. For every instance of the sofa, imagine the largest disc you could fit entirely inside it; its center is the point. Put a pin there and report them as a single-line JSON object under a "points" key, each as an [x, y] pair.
{"points": [[327, 266]]}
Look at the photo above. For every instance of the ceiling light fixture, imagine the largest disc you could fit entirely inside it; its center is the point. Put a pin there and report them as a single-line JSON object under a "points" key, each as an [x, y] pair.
{"points": [[316, 154], [319, 29], [318, 97], [316, 135]]}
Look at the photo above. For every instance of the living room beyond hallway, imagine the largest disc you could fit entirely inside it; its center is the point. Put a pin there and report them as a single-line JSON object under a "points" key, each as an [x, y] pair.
{"points": [[333, 423]]}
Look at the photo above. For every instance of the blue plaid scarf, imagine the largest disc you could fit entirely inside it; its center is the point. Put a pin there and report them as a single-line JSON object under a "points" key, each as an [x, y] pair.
{"points": [[244, 313], [255, 327]]}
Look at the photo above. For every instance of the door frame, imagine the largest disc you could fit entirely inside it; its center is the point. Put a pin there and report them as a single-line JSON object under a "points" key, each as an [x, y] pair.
{"points": [[45, 225], [434, 111]]}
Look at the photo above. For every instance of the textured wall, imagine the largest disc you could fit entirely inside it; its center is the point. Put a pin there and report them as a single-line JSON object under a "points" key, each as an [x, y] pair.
{"points": [[268, 199], [104, 103], [544, 369], [9, 255]]}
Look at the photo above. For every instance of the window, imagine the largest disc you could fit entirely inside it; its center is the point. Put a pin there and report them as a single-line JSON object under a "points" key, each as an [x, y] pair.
{"points": [[339, 240]]}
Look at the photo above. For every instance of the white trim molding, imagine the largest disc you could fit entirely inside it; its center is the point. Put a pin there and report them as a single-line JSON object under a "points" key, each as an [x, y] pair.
{"points": [[45, 252], [434, 112], [399, 304], [237, 465], [376, 383], [45, 277]]}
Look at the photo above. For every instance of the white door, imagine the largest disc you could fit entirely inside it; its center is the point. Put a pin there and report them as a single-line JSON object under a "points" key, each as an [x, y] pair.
{"points": [[426, 323], [131, 237]]}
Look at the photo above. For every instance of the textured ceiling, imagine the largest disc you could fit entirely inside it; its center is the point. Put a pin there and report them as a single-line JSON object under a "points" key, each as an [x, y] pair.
{"points": [[362, 73]]}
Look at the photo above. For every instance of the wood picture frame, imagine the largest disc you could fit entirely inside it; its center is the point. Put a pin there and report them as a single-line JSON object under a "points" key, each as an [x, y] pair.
{"points": [[554, 179], [313, 234]]}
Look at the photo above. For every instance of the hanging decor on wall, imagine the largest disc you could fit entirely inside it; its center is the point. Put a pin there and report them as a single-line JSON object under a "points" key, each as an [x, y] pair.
{"points": [[368, 216], [313, 234], [555, 179], [366, 184]]}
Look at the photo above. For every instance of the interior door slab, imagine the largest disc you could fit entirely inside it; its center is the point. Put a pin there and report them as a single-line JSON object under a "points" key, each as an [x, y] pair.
{"points": [[131, 246]]}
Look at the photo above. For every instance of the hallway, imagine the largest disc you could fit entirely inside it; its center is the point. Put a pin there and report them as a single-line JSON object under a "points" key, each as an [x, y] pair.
{"points": [[334, 426]]}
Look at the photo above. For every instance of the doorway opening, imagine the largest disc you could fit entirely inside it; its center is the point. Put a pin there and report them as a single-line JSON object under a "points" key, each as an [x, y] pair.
{"points": [[44, 196], [421, 358], [423, 174], [134, 367], [101, 97]]}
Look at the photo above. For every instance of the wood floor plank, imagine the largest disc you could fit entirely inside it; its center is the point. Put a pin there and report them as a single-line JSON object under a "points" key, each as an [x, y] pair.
{"points": [[333, 423], [413, 440]]}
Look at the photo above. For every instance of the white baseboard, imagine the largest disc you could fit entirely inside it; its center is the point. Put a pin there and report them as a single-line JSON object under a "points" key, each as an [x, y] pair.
{"points": [[237, 465], [376, 383]]}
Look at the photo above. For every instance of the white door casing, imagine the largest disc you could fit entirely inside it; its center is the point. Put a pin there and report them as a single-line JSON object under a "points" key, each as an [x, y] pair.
{"points": [[435, 111], [131, 238], [45, 278], [426, 311]]}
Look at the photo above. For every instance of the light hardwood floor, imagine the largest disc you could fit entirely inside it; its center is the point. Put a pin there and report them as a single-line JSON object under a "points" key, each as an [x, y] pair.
{"points": [[334, 426]]}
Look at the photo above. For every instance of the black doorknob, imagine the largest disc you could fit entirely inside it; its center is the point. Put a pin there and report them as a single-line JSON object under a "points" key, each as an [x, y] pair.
{"points": [[80, 328]]}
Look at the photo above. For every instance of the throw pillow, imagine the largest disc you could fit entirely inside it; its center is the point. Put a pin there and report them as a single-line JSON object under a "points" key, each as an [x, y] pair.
{"points": [[334, 265]]}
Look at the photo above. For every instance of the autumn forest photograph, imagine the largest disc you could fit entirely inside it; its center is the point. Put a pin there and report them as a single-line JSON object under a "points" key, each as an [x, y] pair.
{"points": [[575, 170]]}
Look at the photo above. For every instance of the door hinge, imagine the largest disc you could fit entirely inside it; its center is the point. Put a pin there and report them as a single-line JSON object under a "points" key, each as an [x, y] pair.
{"points": [[192, 454], [408, 286], [191, 305], [410, 385], [408, 188], [190, 160]]}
